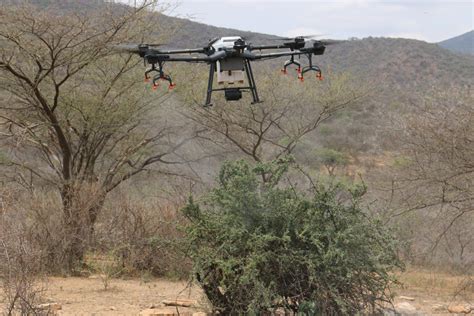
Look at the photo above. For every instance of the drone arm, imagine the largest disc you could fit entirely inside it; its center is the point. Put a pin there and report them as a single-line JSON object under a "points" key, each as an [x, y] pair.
{"points": [[146, 50], [252, 56], [191, 59], [262, 47], [196, 59], [182, 51]]}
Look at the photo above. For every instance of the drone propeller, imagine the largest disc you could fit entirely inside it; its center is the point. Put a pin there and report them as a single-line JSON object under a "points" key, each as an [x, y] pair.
{"points": [[305, 37], [327, 42], [132, 48]]}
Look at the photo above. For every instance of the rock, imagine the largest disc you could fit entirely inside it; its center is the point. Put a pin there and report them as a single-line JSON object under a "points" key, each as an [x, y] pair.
{"points": [[199, 314], [405, 308], [50, 306], [406, 298], [159, 312], [181, 303], [113, 308], [459, 309], [439, 308]]}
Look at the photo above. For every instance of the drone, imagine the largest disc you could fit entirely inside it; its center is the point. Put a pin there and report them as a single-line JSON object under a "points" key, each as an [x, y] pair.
{"points": [[230, 60]]}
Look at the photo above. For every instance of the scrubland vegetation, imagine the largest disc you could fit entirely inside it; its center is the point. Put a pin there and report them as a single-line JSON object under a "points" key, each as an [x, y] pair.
{"points": [[312, 201]]}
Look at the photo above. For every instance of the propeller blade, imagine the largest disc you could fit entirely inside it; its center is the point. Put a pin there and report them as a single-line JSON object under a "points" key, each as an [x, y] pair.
{"points": [[330, 42], [281, 39], [294, 38], [134, 48], [311, 36], [131, 48]]}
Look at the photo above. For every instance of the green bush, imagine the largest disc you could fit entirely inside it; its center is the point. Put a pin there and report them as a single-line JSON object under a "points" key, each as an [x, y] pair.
{"points": [[331, 159], [258, 245]]}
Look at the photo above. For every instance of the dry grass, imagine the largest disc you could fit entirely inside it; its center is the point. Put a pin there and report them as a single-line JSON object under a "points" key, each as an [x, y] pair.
{"points": [[447, 286], [141, 236]]}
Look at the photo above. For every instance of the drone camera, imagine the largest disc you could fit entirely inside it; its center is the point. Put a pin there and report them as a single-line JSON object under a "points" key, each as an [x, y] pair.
{"points": [[233, 94], [240, 44]]}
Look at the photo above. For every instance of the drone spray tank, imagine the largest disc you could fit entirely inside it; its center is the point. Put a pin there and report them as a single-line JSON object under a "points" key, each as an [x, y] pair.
{"points": [[231, 69]]}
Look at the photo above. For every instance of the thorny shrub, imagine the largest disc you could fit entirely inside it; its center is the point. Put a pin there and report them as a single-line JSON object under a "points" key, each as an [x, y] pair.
{"points": [[258, 245]]}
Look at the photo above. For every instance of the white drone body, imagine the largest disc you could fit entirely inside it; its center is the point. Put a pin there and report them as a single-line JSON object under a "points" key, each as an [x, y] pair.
{"points": [[225, 42], [229, 70]]}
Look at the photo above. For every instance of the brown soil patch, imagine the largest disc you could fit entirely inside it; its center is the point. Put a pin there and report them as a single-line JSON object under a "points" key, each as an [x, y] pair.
{"points": [[81, 296], [86, 296]]}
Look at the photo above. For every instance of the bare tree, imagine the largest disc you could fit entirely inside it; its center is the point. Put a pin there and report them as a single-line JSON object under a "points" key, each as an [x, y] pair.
{"points": [[433, 180], [72, 115], [291, 111]]}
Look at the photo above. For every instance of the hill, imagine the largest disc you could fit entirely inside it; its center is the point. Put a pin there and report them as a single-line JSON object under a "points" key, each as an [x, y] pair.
{"points": [[402, 63], [463, 43], [187, 33]]}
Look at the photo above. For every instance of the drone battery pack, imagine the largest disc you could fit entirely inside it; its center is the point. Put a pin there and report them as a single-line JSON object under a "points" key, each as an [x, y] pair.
{"points": [[230, 70]]}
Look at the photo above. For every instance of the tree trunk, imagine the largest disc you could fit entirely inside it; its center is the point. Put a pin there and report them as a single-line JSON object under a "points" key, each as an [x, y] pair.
{"points": [[80, 210]]}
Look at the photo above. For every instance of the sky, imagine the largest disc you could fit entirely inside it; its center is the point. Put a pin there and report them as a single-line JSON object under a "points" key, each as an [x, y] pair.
{"points": [[431, 21]]}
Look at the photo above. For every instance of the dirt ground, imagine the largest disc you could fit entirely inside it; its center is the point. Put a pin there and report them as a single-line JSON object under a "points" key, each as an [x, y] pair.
{"points": [[86, 296], [424, 292], [432, 292]]}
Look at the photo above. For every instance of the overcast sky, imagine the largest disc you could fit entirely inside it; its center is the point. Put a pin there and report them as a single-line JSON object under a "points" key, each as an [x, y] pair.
{"points": [[426, 20]]}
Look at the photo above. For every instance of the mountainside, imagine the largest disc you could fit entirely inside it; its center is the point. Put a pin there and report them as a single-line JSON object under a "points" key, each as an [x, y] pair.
{"points": [[463, 43], [186, 33], [402, 63]]}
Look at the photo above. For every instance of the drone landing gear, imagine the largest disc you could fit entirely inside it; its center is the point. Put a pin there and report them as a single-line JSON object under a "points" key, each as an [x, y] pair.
{"points": [[212, 69], [233, 94], [311, 67], [252, 85], [159, 76]]}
